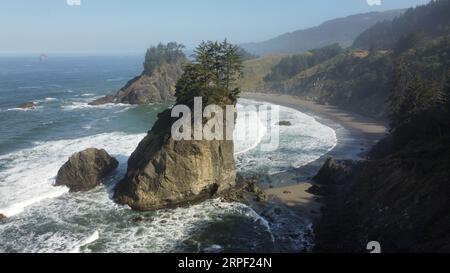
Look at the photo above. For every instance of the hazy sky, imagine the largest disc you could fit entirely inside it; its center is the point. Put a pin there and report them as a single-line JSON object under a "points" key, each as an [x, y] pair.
{"points": [[133, 25]]}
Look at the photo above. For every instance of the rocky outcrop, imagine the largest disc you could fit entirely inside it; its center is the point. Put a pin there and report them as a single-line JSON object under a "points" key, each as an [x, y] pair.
{"points": [[246, 191], [284, 123], [400, 201], [26, 105], [335, 172], [159, 86], [164, 173], [103, 100], [85, 170]]}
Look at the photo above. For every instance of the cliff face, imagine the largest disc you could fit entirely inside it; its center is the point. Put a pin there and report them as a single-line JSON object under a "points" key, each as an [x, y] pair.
{"points": [[165, 173], [400, 200], [159, 86]]}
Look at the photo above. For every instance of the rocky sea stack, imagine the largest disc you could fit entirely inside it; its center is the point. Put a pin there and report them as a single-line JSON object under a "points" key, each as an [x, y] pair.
{"points": [[85, 170], [164, 172], [163, 67]]}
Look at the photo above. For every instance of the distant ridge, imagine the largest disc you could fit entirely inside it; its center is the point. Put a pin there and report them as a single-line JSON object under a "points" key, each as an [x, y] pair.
{"points": [[341, 30]]}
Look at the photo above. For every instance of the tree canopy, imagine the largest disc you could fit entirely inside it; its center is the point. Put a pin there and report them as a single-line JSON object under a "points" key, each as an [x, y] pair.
{"points": [[156, 56], [292, 65], [216, 65]]}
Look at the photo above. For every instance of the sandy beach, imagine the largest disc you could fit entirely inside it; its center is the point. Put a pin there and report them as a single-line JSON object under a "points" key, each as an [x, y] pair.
{"points": [[363, 131]]}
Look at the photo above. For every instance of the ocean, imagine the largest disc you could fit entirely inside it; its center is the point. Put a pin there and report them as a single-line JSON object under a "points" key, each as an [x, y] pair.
{"points": [[35, 143]]}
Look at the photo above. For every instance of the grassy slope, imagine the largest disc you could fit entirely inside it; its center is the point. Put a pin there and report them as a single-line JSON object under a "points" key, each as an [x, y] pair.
{"points": [[255, 70]]}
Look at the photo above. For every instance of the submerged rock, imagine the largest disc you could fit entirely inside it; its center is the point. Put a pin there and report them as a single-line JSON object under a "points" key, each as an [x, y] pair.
{"points": [[26, 105], [284, 123], [85, 170], [246, 191], [103, 100]]}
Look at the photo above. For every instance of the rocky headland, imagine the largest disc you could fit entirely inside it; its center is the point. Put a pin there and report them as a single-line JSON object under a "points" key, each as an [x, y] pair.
{"points": [[163, 67], [399, 199], [159, 86]]}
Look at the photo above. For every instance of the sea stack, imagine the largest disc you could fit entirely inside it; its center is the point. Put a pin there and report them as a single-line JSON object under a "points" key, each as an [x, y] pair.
{"points": [[85, 170], [165, 171], [163, 67]]}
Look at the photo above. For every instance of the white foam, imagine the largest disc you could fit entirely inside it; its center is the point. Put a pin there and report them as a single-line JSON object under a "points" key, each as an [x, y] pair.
{"points": [[89, 240], [305, 141], [116, 79], [28, 175], [77, 105]]}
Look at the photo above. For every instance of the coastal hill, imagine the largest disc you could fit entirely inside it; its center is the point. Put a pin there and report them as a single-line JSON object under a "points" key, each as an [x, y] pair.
{"points": [[342, 31], [399, 196], [163, 66], [397, 71]]}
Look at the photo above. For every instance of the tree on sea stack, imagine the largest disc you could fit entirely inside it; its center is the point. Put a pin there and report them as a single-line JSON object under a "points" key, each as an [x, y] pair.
{"points": [[156, 56], [215, 65], [163, 172]]}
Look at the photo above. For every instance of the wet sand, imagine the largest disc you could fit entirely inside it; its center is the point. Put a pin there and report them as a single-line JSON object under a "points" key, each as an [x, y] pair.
{"points": [[359, 134]]}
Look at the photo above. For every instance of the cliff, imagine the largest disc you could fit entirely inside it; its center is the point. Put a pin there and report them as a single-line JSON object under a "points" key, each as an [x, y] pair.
{"points": [[159, 86], [400, 200], [163, 67], [166, 173]]}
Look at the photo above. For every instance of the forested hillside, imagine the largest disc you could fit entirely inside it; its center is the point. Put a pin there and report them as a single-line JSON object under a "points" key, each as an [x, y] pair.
{"points": [[341, 30], [360, 79], [399, 196]]}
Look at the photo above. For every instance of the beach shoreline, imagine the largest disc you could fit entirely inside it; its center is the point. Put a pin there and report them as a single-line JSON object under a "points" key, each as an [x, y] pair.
{"points": [[356, 134]]}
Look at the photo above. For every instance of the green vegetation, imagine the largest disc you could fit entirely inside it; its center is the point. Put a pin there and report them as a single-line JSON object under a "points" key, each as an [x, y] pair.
{"points": [[292, 65], [432, 19], [216, 66], [256, 70], [161, 54], [246, 56]]}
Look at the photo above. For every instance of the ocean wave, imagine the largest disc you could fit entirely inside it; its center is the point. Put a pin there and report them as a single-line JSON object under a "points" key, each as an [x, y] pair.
{"points": [[115, 230], [85, 105], [28, 175], [116, 79], [29, 87], [89, 240], [305, 141]]}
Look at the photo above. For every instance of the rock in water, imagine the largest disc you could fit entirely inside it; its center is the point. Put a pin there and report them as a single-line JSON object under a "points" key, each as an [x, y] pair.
{"points": [[164, 173], [85, 170], [26, 105], [103, 100], [2, 217], [284, 123], [159, 86]]}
